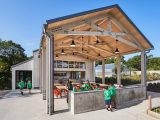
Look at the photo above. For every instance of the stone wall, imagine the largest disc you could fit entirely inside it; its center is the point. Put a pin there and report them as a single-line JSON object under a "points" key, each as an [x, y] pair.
{"points": [[94, 100]]}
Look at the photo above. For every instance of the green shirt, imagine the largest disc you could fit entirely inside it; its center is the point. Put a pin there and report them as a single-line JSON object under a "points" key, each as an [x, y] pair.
{"points": [[75, 90], [97, 89], [107, 95], [112, 90], [88, 87], [21, 85], [29, 85]]}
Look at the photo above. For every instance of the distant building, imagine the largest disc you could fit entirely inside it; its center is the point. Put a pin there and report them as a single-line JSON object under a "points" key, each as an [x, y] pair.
{"points": [[109, 70]]}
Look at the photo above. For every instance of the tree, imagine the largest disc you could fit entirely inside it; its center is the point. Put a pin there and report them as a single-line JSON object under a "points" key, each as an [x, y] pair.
{"points": [[134, 62], [10, 54]]}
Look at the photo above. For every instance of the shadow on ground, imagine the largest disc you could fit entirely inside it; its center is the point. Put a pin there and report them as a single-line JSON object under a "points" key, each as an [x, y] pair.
{"points": [[14, 94]]}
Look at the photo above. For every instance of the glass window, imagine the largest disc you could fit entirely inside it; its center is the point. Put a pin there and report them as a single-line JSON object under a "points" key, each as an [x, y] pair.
{"points": [[82, 65], [65, 64], [71, 64], [59, 64], [76, 64]]}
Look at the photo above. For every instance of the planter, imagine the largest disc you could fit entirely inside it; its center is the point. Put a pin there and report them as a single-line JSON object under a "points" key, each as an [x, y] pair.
{"points": [[153, 114]]}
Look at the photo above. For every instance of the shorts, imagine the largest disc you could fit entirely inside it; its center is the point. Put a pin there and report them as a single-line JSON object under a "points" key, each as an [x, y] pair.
{"points": [[108, 102]]}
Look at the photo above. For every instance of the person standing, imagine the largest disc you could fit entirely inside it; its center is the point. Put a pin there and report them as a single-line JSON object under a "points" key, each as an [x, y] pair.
{"points": [[112, 89], [21, 86], [107, 98], [69, 88], [29, 86]]}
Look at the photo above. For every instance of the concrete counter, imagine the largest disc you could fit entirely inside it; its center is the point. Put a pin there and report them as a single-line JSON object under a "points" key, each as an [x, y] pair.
{"points": [[80, 102]]}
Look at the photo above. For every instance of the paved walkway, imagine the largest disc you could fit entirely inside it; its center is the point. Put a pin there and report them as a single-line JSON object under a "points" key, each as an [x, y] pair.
{"points": [[31, 107]]}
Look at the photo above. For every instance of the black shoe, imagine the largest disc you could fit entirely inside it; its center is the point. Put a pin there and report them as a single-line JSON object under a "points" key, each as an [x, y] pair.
{"points": [[111, 110], [107, 109]]}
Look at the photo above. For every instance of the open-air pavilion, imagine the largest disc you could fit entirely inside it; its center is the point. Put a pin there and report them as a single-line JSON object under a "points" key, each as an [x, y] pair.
{"points": [[87, 37]]}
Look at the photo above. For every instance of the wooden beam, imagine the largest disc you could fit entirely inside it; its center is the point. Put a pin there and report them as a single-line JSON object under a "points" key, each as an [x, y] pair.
{"points": [[122, 28], [91, 33], [100, 49], [116, 35], [77, 23]]}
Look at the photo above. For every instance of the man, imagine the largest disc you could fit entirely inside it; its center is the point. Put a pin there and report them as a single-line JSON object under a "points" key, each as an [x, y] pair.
{"points": [[21, 86], [69, 87], [112, 89]]}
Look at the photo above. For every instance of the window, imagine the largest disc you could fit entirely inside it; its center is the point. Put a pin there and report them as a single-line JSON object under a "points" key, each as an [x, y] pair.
{"points": [[82, 65], [65, 64], [71, 64], [59, 64]]}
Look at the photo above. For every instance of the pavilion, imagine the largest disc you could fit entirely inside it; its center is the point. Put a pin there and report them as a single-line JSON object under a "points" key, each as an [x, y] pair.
{"points": [[92, 36]]}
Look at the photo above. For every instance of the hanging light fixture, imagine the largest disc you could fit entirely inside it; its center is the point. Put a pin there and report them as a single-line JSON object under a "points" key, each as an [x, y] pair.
{"points": [[97, 42], [116, 51], [99, 54], [73, 44], [87, 56], [56, 55], [62, 52], [73, 53]]}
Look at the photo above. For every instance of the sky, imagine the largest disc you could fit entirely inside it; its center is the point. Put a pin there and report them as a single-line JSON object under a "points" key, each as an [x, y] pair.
{"points": [[22, 20]]}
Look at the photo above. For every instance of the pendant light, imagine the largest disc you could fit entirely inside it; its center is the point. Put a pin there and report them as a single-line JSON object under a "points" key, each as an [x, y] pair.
{"points": [[56, 55], [99, 54], [87, 56], [62, 52], [73, 44], [116, 51], [97, 42]]}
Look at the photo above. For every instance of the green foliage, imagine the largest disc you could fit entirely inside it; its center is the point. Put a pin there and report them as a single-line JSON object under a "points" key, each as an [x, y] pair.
{"points": [[157, 110], [134, 62], [10, 54], [113, 80], [155, 87], [153, 64]]}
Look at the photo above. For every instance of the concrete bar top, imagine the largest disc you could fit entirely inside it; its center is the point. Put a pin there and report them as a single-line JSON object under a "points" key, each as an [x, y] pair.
{"points": [[93, 100]]}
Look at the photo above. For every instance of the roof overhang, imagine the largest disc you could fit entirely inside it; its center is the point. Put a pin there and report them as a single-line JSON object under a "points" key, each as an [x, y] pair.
{"points": [[105, 25]]}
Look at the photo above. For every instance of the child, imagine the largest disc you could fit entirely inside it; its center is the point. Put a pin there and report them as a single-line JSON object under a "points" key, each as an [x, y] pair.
{"points": [[29, 86], [97, 87], [77, 88], [21, 86], [107, 98], [112, 89]]}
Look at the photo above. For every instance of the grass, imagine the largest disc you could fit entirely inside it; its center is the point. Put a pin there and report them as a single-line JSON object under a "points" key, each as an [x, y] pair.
{"points": [[157, 110]]}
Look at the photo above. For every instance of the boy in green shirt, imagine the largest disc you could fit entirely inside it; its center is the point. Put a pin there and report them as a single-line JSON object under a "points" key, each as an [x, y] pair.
{"points": [[21, 86], [88, 86], [112, 88], [29, 86], [107, 98], [97, 87], [77, 89]]}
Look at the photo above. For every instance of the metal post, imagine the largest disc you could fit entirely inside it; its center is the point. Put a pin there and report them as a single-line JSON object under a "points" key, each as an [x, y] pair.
{"points": [[103, 71], [149, 103], [143, 69], [119, 70], [44, 73], [143, 72], [50, 75], [40, 73]]}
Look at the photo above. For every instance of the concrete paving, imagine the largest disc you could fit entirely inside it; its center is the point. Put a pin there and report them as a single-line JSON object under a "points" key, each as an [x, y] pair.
{"points": [[13, 106]]}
